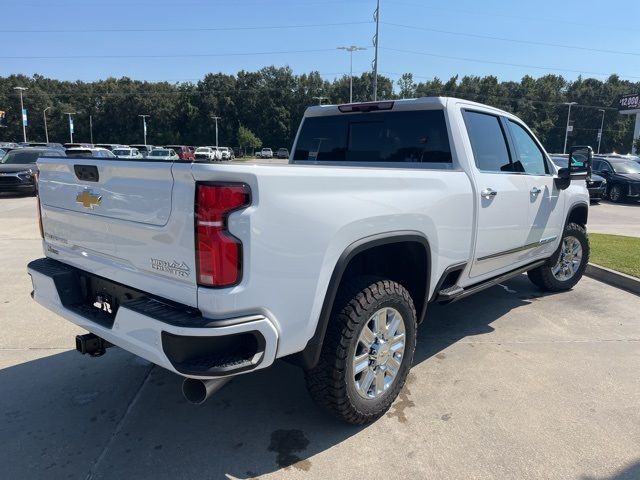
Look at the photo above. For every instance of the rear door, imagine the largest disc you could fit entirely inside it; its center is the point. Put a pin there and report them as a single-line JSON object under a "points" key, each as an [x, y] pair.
{"points": [[502, 202], [546, 201]]}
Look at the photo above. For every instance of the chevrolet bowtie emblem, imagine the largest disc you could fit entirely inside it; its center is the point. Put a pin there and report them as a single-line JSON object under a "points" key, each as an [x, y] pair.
{"points": [[88, 199]]}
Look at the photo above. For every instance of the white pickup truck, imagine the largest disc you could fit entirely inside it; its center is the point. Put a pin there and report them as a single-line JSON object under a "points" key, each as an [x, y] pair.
{"points": [[214, 270]]}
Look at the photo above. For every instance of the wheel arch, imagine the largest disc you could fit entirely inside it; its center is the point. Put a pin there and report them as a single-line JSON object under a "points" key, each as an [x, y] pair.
{"points": [[578, 213], [415, 244]]}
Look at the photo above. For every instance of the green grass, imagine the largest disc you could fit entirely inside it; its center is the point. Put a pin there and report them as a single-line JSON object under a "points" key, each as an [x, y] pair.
{"points": [[616, 252]]}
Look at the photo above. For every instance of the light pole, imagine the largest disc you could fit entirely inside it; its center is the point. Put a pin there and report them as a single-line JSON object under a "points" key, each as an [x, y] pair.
{"points": [[144, 127], [320, 99], [376, 17], [216, 120], [70, 125], [566, 132], [46, 131], [601, 127], [91, 129], [351, 49], [23, 113]]}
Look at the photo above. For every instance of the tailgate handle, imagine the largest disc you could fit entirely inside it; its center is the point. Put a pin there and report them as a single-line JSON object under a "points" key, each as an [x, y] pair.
{"points": [[88, 173]]}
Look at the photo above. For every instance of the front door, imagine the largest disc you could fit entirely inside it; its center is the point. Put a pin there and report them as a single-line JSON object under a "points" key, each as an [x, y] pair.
{"points": [[503, 202], [546, 201]]}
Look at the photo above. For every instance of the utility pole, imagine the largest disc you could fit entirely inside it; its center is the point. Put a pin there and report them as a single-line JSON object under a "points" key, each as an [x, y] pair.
{"points": [[566, 132], [601, 127], [216, 119], [320, 99], [376, 17], [144, 127], [351, 49], [91, 129], [46, 131], [23, 113], [70, 125]]}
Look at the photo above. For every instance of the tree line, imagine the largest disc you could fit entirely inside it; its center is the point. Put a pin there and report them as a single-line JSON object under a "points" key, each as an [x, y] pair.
{"points": [[269, 104]]}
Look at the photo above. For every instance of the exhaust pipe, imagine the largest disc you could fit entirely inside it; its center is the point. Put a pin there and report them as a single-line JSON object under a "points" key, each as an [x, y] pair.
{"points": [[197, 391]]}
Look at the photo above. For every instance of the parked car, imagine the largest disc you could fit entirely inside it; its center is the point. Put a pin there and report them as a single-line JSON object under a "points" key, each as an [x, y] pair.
{"points": [[143, 149], [110, 146], [282, 153], [127, 153], [206, 154], [622, 176], [167, 154], [265, 153], [225, 153], [330, 267], [3, 152], [18, 168], [59, 146], [89, 152], [184, 152], [77, 145], [596, 184]]}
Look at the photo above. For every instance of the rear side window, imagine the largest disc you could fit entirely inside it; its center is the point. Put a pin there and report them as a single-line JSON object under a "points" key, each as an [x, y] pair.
{"points": [[377, 137], [488, 142]]}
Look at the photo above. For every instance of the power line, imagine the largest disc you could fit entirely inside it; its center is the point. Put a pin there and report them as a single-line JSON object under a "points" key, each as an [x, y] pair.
{"points": [[178, 55], [492, 62], [191, 29], [512, 40]]}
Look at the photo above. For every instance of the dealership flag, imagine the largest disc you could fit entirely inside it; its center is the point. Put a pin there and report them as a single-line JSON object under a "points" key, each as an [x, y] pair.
{"points": [[24, 117], [70, 123]]}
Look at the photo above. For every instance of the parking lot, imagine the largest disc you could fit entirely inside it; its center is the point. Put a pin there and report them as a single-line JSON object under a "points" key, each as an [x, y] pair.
{"points": [[509, 384], [616, 219]]}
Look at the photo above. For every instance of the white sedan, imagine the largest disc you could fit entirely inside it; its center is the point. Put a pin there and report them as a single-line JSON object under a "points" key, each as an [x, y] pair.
{"points": [[167, 154]]}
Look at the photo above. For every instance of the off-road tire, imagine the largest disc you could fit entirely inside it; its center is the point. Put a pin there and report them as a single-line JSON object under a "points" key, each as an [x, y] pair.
{"points": [[543, 276], [330, 383]]}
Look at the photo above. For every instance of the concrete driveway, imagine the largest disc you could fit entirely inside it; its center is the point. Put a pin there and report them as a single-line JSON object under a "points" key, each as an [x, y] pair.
{"points": [[509, 384]]}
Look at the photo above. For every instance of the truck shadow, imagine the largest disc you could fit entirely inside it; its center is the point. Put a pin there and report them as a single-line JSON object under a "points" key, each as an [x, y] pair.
{"points": [[68, 416]]}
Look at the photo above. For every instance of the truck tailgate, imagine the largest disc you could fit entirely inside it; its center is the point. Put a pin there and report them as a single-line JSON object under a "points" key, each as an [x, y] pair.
{"points": [[128, 221]]}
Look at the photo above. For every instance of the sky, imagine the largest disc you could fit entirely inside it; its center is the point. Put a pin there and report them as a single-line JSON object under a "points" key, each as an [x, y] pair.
{"points": [[176, 41]]}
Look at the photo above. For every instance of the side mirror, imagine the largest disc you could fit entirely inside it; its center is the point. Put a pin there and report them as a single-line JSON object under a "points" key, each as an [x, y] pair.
{"points": [[579, 166]]}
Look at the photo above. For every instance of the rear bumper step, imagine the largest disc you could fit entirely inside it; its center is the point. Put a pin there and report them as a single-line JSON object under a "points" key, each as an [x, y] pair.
{"points": [[175, 337]]}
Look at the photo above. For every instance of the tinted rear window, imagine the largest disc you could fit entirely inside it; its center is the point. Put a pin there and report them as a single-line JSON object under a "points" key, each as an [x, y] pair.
{"points": [[395, 137]]}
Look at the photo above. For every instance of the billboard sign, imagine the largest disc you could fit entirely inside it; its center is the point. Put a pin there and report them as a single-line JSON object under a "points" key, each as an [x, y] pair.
{"points": [[629, 103]]}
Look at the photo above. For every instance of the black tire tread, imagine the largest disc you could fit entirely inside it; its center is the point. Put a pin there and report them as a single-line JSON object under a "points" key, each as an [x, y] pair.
{"points": [[542, 276], [326, 381]]}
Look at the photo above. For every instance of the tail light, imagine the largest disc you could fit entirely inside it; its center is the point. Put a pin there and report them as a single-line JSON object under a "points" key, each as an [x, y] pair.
{"points": [[218, 253]]}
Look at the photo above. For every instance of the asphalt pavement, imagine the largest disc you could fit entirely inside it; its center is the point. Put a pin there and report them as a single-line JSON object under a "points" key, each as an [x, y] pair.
{"points": [[509, 384], [615, 218]]}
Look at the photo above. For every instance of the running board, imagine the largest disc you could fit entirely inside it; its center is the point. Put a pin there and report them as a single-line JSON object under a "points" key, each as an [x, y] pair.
{"points": [[455, 293]]}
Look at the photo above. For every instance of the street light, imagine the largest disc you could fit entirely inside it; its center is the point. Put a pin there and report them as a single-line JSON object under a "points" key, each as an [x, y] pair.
{"points": [[144, 127], [216, 119], [351, 49], [566, 133], [70, 125], [46, 131], [22, 112], [601, 127]]}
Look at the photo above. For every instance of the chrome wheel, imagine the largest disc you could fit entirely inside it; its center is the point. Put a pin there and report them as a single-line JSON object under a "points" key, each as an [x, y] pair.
{"points": [[569, 260], [379, 352]]}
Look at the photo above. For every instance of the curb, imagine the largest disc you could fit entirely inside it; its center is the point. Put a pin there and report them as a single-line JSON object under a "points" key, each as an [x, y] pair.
{"points": [[613, 278]]}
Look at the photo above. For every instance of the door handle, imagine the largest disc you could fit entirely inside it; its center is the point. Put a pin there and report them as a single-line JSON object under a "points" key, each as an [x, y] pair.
{"points": [[488, 193], [535, 191]]}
